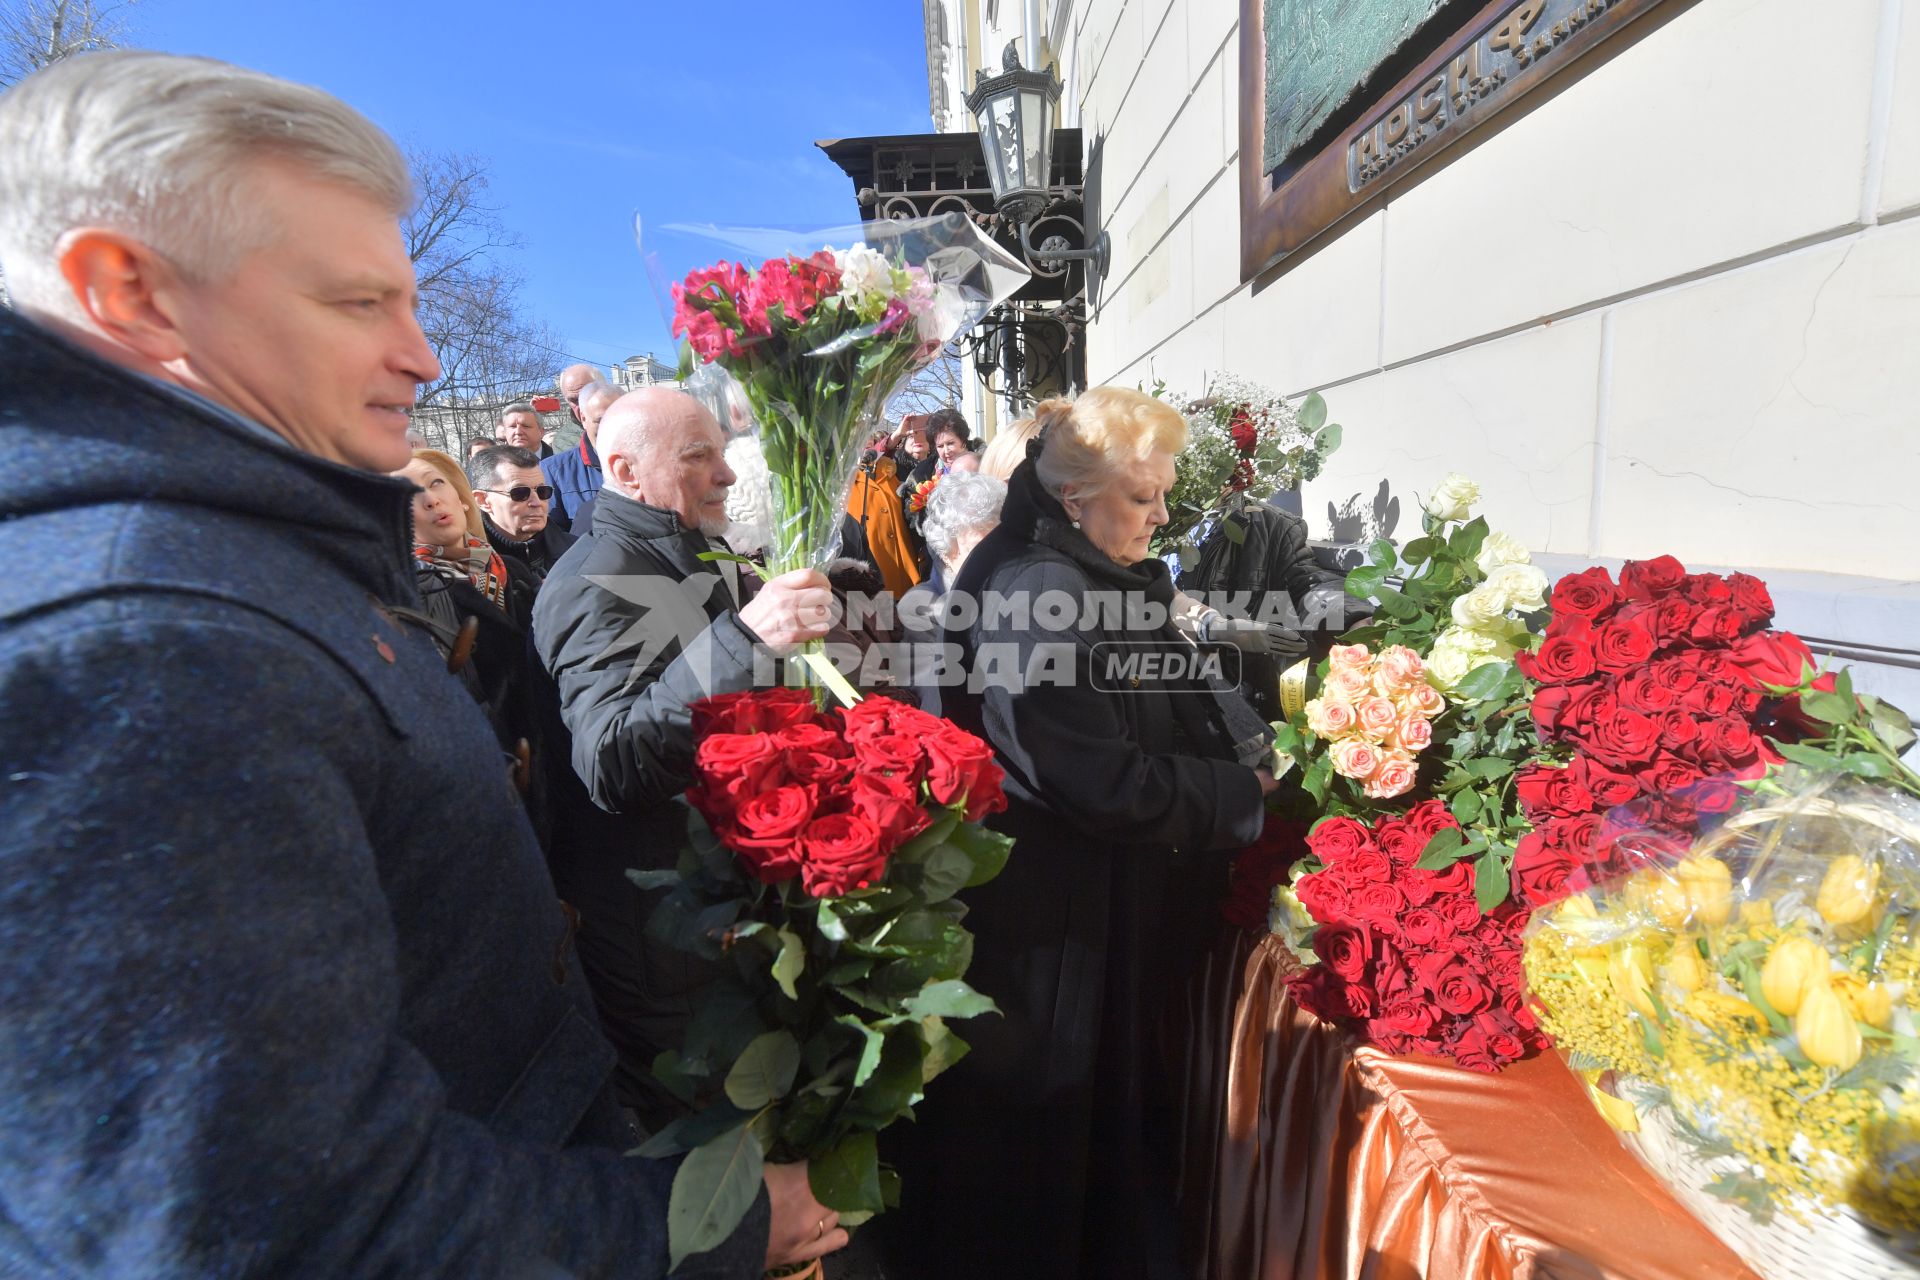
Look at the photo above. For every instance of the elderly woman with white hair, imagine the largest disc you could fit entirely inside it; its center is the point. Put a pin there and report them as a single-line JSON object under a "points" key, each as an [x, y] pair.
{"points": [[964, 508], [1049, 1150]]}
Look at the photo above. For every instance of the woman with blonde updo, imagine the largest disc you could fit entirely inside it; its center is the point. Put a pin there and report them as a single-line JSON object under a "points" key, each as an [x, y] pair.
{"points": [[1050, 1149]]}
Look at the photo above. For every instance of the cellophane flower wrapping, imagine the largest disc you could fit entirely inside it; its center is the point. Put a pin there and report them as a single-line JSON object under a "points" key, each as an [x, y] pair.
{"points": [[1744, 1010], [817, 343], [826, 851]]}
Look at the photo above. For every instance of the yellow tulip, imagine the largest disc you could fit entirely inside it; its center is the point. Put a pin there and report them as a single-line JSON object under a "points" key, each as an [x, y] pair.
{"points": [[1794, 965], [1825, 1029], [1847, 890], [1708, 884], [1684, 968], [1869, 1002], [1630, 969], [1756, 913], [1660, 894]]}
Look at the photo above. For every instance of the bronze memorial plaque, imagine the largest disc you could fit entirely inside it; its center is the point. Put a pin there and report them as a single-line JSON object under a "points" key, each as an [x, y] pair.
{"points": [[1322, 144]]}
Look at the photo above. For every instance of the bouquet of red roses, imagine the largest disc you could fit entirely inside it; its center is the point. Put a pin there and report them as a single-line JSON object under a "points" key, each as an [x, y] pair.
{"points": [[1407, 952], [1655, 684], [826, 850]]}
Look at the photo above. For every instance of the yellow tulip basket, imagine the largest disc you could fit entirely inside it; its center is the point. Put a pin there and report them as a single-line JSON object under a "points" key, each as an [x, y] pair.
{"points": [[1748, 1017]]}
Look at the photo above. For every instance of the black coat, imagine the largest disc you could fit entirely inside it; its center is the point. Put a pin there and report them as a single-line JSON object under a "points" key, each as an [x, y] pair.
{"points": [[539, 553], [287, 992], [633, 627], [1043, 1152]]}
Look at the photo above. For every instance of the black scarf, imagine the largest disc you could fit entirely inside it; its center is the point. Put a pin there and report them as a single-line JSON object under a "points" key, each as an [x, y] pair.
{"points": [[1217, 714]]}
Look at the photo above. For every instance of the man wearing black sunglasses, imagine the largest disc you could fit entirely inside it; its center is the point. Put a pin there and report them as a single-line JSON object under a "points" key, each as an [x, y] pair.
{"points": [[513, 497]]}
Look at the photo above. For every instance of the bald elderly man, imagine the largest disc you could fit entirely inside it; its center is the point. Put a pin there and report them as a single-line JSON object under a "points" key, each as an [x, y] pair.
{"points": [[634, 627], [575, 474]]}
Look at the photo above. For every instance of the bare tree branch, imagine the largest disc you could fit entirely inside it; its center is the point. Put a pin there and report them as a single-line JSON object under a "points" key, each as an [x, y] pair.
{"points": [[39, 33], [491, 353]]}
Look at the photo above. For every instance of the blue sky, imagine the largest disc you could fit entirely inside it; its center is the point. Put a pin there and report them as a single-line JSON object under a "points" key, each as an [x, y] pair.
{"points": [[593, 111]]}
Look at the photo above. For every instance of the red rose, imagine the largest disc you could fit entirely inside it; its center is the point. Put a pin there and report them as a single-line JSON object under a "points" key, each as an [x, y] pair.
{"points": [[1622, 737], [1670, 618], [1258, 868], [894, 753], [960, 768], [1708, 698], [891, 805], [842, 853], [1545, 791], [1401, 842], [1678, 730], [1412, 1018], [1561, 659], [1576, 835], [1336, 839], [1344, 949], [1645, 579], [766, 830], [1772, 657], [1428, 817], [1567, 710], [1751, 598], [1623, 644], [1541, 871], [1717, 625], [1246, 437], [1677, 671], [1707, 589], [1732, 742], [878, 716], [1421, 927], [810, 735], [1642, 691], [1457, 878], [1459, 991], [1459, 913], [1366, 866], [732, 762], [1324, 897], [1378, 906], [819, 770], [1586, 593]]}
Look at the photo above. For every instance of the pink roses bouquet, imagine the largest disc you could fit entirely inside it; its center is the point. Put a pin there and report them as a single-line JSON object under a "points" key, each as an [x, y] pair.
{"points": [[1375, 712]]}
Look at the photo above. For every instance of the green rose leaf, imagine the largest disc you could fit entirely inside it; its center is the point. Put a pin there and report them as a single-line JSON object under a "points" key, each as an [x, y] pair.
{"points": [[692, 1131], [1489, 881], [1366, 580], [871, 1044], [1483, 681], [712, 1192], [1489, 767], [987, 849], [790, 963], [765, 1071], [944, 873], [1382, 554], [1442, 850], [1829, 708]]}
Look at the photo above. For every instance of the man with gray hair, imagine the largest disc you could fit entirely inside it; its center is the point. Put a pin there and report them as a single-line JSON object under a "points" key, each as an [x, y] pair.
{"points": [[287, 991], [514, 497], [575, 475], [634, 627], [521, 427]]}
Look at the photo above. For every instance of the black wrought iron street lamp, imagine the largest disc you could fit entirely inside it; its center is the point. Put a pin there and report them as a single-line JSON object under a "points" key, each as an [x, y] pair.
{"points": [[1015, 110]]}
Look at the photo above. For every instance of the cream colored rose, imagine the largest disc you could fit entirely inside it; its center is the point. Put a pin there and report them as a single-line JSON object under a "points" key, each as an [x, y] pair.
{"points": [[1521, 586], [1356, 758], [1480, 608], [1330, 719], [1348, 685], [1412, 733], [1423, 700], [1454, 497], [1400, 668], [1377, 716], [1499, 549], [1448, 664], [1393, 778], [1348, 657]]}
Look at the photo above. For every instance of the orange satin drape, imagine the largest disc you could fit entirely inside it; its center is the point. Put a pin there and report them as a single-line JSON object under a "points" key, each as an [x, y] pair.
{"points": [[1335, 1161]]}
